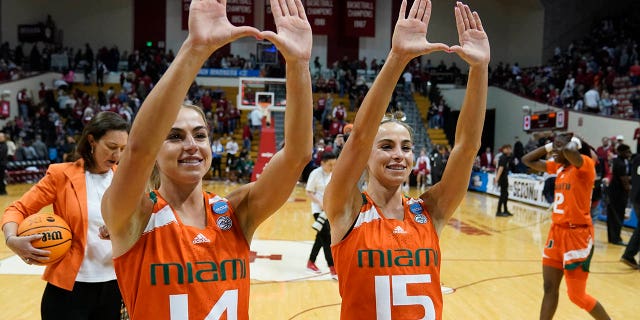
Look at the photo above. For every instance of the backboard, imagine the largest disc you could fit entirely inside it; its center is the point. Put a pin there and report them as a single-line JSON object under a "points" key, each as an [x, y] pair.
{"points": [[253, 90]]}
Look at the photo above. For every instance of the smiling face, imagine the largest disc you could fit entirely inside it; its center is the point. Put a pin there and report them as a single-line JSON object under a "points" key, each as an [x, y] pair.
{"points": [[185, 155], [107, 150], [391, 157]]}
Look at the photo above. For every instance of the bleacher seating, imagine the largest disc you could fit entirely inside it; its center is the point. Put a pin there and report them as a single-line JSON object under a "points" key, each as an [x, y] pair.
{"points": [[28, 171]]}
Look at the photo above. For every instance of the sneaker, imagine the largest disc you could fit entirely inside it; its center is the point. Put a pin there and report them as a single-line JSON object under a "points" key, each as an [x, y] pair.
{"points": [[311, 266], [502, 214], [334, 275], [631, 262], [508, 213]]}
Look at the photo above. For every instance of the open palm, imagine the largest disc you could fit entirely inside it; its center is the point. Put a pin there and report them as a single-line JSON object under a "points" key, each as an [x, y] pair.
{"points": [[209, 26], [474, 43], [410, 33], [294, 39]]}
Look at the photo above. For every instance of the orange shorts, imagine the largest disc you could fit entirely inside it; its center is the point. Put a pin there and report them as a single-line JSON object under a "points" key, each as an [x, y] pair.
{"points": [[569, 247]]}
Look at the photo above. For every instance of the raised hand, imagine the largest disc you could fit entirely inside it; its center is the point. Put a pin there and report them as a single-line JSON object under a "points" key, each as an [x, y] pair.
{"points": [[294, 39], [209, 27], [474, 43], [410, 33]]}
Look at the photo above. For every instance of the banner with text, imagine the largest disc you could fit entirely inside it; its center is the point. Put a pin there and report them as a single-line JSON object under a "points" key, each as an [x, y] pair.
{"points": [[522, 187], [240, 12], [320, 14], [360, 18]]}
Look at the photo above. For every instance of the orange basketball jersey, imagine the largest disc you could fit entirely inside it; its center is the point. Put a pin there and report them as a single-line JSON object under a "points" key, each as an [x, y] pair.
{"points": [[573, 189], [181, 272], [390, 269]]}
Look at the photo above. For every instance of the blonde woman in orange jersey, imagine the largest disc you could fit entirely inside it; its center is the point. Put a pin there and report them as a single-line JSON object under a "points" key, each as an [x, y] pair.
{"points": [[180, 252], [570, 241], [382, 241]]}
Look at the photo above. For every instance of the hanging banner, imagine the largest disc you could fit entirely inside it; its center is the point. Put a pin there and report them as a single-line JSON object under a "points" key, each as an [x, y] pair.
{"points": [[240, 12], [320, 14], [360, 18], [185, 14]]}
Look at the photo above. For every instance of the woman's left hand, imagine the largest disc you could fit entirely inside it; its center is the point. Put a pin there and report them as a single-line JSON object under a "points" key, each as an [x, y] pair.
{"points": [[474, 43]]}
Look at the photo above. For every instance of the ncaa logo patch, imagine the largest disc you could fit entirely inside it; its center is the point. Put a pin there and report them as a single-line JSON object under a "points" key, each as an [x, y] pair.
{"points": [[224, 223], [220, 207], [420, 218], [415, 208]]}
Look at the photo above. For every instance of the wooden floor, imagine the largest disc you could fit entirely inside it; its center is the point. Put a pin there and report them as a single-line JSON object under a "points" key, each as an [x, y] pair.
{"points": [[493, 264]]}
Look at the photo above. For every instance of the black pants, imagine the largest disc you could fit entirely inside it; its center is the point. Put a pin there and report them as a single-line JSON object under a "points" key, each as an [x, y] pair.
{"points": [[87, 301], [634, 243], [323, 239], [3, 186], [615, 216], [504, 196], [215, 165]]}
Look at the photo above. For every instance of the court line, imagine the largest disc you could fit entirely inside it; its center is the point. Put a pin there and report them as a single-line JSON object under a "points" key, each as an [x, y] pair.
{"points": [[314, 308], [293, 280]]}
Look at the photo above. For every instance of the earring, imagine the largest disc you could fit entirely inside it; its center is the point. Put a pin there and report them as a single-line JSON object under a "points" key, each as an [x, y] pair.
{"points": [[91, 149]]}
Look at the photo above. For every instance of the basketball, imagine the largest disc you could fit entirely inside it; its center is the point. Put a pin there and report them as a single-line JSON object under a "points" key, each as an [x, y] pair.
{"points": [[56, 234]]}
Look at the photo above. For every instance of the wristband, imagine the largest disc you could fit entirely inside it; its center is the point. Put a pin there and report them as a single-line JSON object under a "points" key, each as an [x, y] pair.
{"points": [[9, 237], [548, 147], [577, 142]]}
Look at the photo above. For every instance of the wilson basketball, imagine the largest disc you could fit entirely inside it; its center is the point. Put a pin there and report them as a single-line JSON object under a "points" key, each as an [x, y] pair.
{"points": [[56, 234]]}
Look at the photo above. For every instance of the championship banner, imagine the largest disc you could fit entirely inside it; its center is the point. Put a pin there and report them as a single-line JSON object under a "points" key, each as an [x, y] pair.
{"points": [[240, 12], [320, 14], [360, 18], [185, 14]]}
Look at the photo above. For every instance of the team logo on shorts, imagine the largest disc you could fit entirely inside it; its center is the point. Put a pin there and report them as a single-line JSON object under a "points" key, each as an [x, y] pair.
{"points": [[220, 207], [415, 208], [420, 218], [224, 223]]}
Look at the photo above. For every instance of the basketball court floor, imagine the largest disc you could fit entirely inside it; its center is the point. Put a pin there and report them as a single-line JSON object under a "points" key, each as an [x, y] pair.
{"points": [[491, 267]]}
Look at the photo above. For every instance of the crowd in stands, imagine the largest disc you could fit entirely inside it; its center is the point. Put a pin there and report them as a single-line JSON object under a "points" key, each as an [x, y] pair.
{"points": [[599, 74]]}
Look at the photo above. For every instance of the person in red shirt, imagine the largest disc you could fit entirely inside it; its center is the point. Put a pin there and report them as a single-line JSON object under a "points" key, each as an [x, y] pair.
{"points": [[206, 102], [571, 239], [634, 73]]}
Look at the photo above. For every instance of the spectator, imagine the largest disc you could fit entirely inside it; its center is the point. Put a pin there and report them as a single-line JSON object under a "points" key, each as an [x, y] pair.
{"points": [[42, 151], [592, 100]]}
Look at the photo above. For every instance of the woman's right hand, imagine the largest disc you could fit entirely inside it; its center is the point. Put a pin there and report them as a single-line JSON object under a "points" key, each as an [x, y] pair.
{"points": [[23, 248], [209, 27]]}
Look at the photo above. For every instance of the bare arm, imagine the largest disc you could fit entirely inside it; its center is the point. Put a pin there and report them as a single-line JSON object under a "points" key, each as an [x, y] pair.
{"points": [[257, 201], [123, 207], [534, 159], [342, 198], [445, 196]]}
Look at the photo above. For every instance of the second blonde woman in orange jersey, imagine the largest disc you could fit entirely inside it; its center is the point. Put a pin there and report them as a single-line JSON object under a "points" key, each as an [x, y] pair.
{"points": [[385, 245]]}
